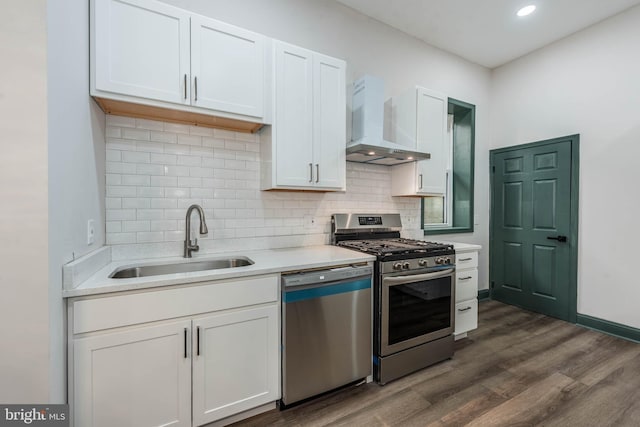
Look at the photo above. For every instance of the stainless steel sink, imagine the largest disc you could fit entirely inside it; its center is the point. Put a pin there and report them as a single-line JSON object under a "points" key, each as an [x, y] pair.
{"points": [[180, 267]]}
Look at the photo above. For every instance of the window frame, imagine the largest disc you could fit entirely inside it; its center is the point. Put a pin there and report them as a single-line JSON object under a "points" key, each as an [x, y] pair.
{"points": [[459, 109]]}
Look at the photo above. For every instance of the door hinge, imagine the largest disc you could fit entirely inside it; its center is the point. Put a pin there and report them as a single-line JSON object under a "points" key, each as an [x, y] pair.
{"points": [[493, 169], [493, 285]]}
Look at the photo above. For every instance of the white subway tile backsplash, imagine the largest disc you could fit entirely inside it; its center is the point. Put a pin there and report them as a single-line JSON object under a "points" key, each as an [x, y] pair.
{"points": [[150, 214], [167, 137], [129, 226], [149, 236], [176, 128], [164, 181], [184, 181], [118, 191], [113, 132], [163, 159], [212, 142], [135, 157], [136, 203], [121, 214], [137, 134], [149, 124], [156, 170], [189, 160], [120, 121], [138, 180], [150, 192], [164, 203]]}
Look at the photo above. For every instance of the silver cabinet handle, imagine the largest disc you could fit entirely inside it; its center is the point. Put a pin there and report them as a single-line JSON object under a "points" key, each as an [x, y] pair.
{"points": [[185, 86], [195, 84], [420, 178], [317, 172], [464, 309], [310, 172], [465, 259], [465, 278]]}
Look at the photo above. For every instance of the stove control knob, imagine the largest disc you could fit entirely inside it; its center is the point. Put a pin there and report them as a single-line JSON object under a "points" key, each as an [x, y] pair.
{"points": [[439, 260], [397, 266], [422, 263], [406, 265], [448, 260]]}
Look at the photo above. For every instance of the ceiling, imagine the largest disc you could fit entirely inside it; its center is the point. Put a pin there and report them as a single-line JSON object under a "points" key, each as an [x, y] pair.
{"points": [[488, 32]]}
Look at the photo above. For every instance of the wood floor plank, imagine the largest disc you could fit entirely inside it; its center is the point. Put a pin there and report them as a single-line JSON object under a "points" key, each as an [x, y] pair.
{"points": [[517, 369]]}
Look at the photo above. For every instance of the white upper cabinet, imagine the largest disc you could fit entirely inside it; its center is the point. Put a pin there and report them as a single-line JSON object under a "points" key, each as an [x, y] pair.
{"points": [[141, 49], [420, 122], [329, 121], [306, 147], [148, 53], [293, 116], [227, 64]]}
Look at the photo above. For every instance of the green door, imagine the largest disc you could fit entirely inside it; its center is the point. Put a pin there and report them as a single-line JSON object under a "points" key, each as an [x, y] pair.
{"points": [[532, 233]]}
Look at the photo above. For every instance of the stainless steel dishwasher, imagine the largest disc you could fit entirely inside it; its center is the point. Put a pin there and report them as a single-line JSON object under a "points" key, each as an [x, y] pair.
{"points": [[326, 330]]}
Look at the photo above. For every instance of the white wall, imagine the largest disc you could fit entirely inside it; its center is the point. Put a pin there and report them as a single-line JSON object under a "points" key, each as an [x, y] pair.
{"points": [[76, 162], [24, 314], [371, 47], [588, 83]]}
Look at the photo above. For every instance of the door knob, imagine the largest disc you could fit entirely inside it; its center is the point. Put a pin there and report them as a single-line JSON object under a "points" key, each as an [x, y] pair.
{"points": [[561, 239]]}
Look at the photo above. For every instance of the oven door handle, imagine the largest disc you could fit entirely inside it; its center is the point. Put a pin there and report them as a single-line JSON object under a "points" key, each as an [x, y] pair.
{"points": [[399, 280]]}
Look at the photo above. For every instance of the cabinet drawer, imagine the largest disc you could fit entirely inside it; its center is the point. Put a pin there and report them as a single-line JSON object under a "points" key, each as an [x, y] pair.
{"points": [[466, 284], [466, 316], [129, 309], [466, 260]]}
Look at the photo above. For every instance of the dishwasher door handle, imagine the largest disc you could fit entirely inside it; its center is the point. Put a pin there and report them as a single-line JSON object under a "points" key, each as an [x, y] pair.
{"points": [[293, 294]]}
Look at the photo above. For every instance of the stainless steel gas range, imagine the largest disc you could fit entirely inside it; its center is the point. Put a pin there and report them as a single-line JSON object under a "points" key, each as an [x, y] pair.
{"points": [[414, 283]]}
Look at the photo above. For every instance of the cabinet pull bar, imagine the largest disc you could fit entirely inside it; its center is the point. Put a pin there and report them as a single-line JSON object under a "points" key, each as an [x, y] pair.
{"points": [[317, 172], [185, 343], [465, 259], [464, 309], [465, 278], [420, 178], [185, 86], [310, 172], [195, 84], [198, 341]]}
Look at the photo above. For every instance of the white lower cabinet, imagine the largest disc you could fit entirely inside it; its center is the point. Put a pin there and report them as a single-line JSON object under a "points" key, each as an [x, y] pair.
{"points": [[466, 309], [235, 367], [189, 370], [136, 377]]}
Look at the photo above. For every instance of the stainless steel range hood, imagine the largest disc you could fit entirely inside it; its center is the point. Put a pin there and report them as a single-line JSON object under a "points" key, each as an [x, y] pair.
{"points": [[368, 144]]}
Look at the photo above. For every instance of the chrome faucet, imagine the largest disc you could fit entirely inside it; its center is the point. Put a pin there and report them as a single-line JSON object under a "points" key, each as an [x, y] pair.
{"points": [[192, 245]]}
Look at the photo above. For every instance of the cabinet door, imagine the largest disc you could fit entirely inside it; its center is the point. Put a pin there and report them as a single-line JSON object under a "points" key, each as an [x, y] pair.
{"points": [[329, 122], [227, 65], [293, 157], [140, 377], [235, 362], [431, 137], [141, 49]]}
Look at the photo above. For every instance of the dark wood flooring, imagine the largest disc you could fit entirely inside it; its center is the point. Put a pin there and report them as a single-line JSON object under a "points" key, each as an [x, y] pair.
{"points": [[517, 369]]}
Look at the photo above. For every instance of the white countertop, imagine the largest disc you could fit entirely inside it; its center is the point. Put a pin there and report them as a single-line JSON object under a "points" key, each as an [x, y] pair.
{"points": [[265, 262], [463, 247]]}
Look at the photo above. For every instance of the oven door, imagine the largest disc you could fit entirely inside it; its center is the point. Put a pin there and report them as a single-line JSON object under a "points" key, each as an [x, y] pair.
{"points": [[416, 309]]}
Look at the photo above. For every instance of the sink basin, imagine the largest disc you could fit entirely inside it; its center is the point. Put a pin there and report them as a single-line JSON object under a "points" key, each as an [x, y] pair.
{"points": [[179, 267]]}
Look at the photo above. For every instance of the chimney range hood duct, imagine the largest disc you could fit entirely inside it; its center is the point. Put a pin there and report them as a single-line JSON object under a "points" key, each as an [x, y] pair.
{"points": [[367, 138]]}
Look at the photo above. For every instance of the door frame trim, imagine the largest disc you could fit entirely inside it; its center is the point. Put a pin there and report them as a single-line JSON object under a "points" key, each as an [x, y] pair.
{"points": [[574, 212]]}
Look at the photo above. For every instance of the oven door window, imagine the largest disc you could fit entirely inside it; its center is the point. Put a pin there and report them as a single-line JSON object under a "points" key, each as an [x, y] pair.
{"points": [[419, 308]]}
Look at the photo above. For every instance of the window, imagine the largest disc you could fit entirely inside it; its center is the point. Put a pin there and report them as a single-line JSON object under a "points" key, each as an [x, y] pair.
{"points": [[453, 212]]}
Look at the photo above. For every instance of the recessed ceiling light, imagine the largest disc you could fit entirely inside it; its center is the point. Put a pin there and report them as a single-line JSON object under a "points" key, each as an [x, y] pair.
{"points": [[409, 158], [527, 10], [372, 153]]}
